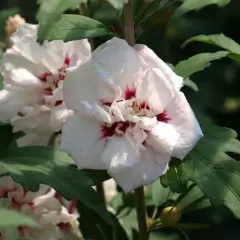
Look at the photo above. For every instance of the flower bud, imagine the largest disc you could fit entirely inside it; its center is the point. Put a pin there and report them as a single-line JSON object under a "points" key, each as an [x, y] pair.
{"points": [[12, 24], [171, 215]]}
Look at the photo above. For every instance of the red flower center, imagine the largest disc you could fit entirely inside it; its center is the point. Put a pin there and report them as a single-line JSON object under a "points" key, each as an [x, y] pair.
{"points": [[52, 81], [119, 128]]}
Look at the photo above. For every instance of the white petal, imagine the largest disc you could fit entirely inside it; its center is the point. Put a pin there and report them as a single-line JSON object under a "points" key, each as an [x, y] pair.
{"points": [[154, 61], [163, 138], [21, 77], [117, 63], [81, 140], [13, 60], [36, 120], [120, 154], [12, 102], [95, 111], [155, 90], [185, 123], [144, 172], [24, 42], [58, 116], [82, 84], [78, 51]]}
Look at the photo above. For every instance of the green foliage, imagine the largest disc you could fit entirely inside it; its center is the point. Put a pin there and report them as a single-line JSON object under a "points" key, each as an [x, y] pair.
{"points": [[118, 4], [177, 178], [191, 5], [50, 12], [92, 226], [213, 170], [31, 166], [219, 40], [74, 27], [197, 63], [10, 218], [6, 136], [189, 83]]}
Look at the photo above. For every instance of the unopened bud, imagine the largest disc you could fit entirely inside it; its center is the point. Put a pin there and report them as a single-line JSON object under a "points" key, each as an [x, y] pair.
{"points": [[171, 216], [12, 24]]}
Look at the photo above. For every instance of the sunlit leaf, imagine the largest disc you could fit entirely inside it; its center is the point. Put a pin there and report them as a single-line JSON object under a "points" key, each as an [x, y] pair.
{"points": [[31, 166], [197, 63], [11, 218], [118, 4], [213, 170], [195, 5], [189, 83], [50, 11], [74, 27], [219, 40]]}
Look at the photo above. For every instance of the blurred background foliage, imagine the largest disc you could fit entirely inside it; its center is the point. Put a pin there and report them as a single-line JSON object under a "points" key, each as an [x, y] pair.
{"points": [[218, 96]]}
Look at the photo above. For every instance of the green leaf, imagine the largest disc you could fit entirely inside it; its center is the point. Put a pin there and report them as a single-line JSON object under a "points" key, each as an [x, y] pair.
{"points": [[6, 136], [213, 170], [197, 63], [50, 11], [118, 4], [74, 27], [92, 226], [31, 166], [177, 178], [195, 5], [10, 218], [219, 40], [189, 83]]}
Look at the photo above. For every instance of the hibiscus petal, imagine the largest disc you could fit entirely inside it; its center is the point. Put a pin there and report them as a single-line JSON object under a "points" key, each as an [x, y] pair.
{"points": [[12, 102], [81, 139], [13, 60], [120, 154], [78, 51], [155, 90], [82, 84], [185, 123], [154, 61], [35, 120], [117, 63], [163, 138], [58, 116], [144, 172]]}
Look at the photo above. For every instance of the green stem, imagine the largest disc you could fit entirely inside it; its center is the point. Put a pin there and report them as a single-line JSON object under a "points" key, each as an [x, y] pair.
{"points": [[128, 23], [141, 213]]}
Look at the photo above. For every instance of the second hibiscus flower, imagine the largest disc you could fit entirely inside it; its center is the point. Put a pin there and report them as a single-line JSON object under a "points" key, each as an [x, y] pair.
{"points": [[131, 117]]}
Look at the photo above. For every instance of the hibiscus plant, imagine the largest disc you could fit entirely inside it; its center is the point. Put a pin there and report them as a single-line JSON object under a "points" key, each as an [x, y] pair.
{"points": [[97, 138]]}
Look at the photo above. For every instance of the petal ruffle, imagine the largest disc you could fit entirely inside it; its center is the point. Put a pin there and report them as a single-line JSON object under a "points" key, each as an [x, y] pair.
{"points": [[146, 171], [81, 139], [120, 154], [185, 123], [154, 61]]}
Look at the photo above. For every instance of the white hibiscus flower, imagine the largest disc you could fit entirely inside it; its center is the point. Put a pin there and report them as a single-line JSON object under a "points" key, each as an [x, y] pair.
{"points": [[42, 206], [33, 76], [131, 117]]}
